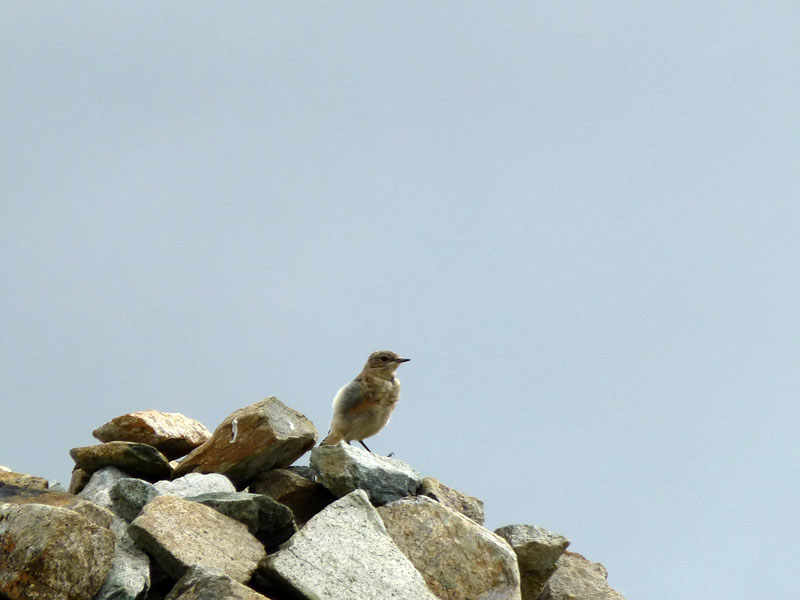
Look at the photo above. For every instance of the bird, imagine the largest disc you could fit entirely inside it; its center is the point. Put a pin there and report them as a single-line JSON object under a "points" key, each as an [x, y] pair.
{"points": [[363, 407]]}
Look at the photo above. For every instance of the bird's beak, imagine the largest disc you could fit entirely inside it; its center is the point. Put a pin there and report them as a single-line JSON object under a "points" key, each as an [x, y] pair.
{"points": [[401, 360]]}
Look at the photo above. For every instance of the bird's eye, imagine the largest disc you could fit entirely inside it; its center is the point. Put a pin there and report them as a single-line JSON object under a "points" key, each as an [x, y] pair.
{"points": [[384, 358]]}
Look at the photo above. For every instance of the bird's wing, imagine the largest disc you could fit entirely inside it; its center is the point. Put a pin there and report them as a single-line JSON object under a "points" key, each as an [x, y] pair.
{"points": [[350, 398]]}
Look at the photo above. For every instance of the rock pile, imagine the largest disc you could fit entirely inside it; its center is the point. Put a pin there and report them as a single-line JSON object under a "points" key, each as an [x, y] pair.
{"points": [[234, 520]]}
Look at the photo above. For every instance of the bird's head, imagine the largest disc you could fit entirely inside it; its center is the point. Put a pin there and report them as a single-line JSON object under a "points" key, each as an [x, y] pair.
{"points": [[384, 362]]}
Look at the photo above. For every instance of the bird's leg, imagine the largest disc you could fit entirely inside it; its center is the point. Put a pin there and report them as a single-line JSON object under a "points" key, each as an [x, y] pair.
{"points": [[363, 444]]}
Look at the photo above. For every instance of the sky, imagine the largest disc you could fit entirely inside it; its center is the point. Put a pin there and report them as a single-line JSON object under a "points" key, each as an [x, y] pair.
{"points": [[580, 221]]}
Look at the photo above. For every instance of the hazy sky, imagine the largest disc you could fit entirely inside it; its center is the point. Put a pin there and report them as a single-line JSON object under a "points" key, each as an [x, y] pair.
{"points": [[580, 220]]}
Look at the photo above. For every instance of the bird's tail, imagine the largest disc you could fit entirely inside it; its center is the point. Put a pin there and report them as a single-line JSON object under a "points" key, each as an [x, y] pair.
{"points": [[331, 440]]}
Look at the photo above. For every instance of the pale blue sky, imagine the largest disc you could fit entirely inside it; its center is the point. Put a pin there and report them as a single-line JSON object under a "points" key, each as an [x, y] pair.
{"points": [[580, 220]]}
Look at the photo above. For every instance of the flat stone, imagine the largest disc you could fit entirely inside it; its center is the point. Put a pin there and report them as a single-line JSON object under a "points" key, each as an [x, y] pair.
{"points": [[256, 438], [172, 434], [467, 505], [23, 480], [537, 551], [129, 496], [291, 488], [194, 484], [345, 552], [98, 515], [577, 577], [179, 533], [51, 553], [343, 468], [139, 460], [457, 557], [204, 583]]}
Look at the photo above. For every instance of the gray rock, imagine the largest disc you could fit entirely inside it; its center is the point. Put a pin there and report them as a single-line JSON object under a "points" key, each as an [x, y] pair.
{"points": [[345, 552], [179, 533], [204, 583], [467, 505], [129, 577], [293, 488], [172, 434], [194, 484], [458, 558], [343, 468], [51, 553], [98, 488], [139, 460], [577, 577], [537, 551], [256, 438], [270, 521], [129, 496]]}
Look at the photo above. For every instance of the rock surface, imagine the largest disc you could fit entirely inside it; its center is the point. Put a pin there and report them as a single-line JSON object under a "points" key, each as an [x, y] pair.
{"points": [[467, 505], [458, 558], [345, 552], [194, 484], [289, 487], [256, 438], [129, 496], [89, 510], [137, 459], [343, 468], [579, 578], [172, 434], [23, 480], [129, 576], [537, 551], [204, 583], [179, 533], [51, 553]]}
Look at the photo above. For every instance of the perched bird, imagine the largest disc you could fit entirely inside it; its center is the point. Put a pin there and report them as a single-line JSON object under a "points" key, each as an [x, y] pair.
{"points": [[363, 406]]}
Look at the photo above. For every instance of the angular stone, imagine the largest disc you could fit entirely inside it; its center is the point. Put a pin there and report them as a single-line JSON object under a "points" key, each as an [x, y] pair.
{"points": [[457, 557], [23, 480], [139, 460], [577, 577], [259, 437], [99, 486], [467, 505], [129, 496], [343, 468], [345, 552], [129, 576], [95, 514], [289, 487], [79, 479], [172, 434], [195, 484], [51, 553], [179, 533], [537, 551], [204, 583], [270, 521]]}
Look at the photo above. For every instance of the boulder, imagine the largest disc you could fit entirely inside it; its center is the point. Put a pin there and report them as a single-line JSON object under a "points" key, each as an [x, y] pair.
{"points": [[291, 488], [51, 553], [172, 434], [99, 486], [194, 484], [345, 552], [577, 577], [129, 576], [256, 438], [343, 468], [458, 558], [23, 480], [537, 551], [129, 496], [204, 583], [467, 505], [95, 514], [179, 533], [139, 460]]}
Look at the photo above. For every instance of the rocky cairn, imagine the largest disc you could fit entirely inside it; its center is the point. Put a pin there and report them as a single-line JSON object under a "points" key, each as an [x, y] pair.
{"points": [[233, 519]]}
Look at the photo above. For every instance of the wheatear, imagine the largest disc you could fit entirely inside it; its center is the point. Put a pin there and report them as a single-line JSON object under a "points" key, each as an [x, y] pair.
{"points": [[363, 406]]}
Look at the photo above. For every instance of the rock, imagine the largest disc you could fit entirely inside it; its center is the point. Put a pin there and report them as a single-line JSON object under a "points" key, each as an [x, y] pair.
{"points": [[345, 552], [302, 495], [100, 484], [79, 478], [140, 460], [23, 480], [259, 437], [469, 506], [179, 533], [458, 558], [6, 469], [51, 553], [129, 495], [172, 434], [203, 583], [577, 577], [270, 521], [343, 468], [129, 576], [95, 514], [195, 484], [537, 551]]}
